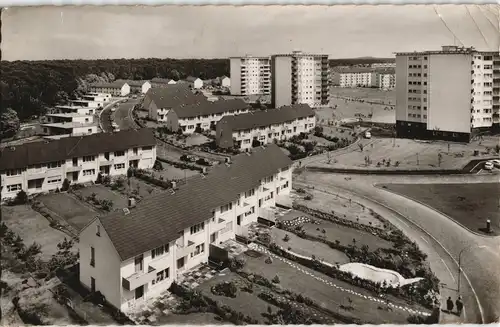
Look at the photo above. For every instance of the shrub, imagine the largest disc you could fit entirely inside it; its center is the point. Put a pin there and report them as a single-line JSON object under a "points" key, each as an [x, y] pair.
{"points": [[21, 198], [130, 172], [255, 143], [99, 179], [237, 263], [228, 289], [106, 180], [286, 238], [276, 279], [157, 166]]}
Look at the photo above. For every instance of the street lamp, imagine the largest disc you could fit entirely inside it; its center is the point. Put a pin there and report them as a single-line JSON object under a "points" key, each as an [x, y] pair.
{"points": [[460, 260]]}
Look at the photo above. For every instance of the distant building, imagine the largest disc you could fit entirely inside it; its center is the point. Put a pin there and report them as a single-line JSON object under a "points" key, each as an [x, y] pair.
{"points": [[203, 116], [161, 82], [250, 75], [42, 166], [447, 94], [264, 126], [158, 101], [386, 80], [194, 82], [75, 109], [68, 124], [225, 81], [117, 88], [141, 87], [384, 65], [299, 78], [133, 256], [354, 77]]}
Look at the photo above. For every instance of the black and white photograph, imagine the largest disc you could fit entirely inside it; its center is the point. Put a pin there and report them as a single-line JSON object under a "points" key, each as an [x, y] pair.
{"points": [[250, 165]]}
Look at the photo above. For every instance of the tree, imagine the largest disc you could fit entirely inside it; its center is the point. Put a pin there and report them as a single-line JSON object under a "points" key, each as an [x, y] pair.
{"points": [[65, 185], [9, 123], [99, 179], [21, 197]]}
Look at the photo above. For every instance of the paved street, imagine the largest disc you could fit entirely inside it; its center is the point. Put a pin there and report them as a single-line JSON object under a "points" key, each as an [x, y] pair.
{"points": [[436, 234], [123, 115]]}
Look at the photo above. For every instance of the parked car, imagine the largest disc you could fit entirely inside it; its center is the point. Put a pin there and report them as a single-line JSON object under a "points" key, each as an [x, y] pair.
{"points": [[488, 165], [496, 162], [368, 135]]}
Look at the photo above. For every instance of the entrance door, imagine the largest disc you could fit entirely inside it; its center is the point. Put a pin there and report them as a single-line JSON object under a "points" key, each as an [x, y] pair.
{"points": [[139, 292], [139, 264], [75, 176], [92, 284]]}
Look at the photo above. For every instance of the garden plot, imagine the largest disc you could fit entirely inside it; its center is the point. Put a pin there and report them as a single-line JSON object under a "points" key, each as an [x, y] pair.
{"points": [[170, 172], [308, 283], [342, 207], [307, 248], [32, 227], [101, 192], [408, 154], [69, 208], [244, 302]]}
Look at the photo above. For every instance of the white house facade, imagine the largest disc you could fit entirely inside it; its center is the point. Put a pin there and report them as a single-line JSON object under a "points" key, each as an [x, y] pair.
{"points": [[117, 89], [128, 274], [225, 82], [43, 166]]}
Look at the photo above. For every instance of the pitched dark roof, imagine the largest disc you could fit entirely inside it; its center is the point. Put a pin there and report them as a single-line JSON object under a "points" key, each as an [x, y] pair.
{"points": [[159, 219], [131, 82], [209, 108], [158, 80], [174, 95], [115, 84], [43, 152], [261, 118]]}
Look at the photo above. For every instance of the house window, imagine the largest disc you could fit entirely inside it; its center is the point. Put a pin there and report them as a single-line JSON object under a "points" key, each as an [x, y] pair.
{"points": [[119, 166], [162, 275], [197, 228], [88, 158], [89, 172], [13, 172], [119, 153], [238, 220], [226, 207], [92, 256], [250, 193], [198, 250], [159, 251], [54, 180], [98, 230], [14, 188]]}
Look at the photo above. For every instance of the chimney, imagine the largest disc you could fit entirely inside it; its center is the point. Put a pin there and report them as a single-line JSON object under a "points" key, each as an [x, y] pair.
{"points": [[131, 202]]}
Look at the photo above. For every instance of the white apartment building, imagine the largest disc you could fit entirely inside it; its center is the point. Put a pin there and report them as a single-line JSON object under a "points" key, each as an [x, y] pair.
{"points": [[203, 116], [75, 109], [446, 94], [355, 77], [386, 80], [384, 65], [69, 124], [299, 78], [266, 126], [134, 255], [117, 88], [99, 98], [43, 166], [250, 75]]}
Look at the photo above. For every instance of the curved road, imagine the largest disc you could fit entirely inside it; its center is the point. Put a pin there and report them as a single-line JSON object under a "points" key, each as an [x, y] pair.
{"points": [[437, 235], [122, 116]]}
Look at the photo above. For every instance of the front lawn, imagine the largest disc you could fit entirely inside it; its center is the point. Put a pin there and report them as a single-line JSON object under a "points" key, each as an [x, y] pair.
{"points": [[32, 226], [69, 208], [331, 298], [101, 192], [469, 204]]}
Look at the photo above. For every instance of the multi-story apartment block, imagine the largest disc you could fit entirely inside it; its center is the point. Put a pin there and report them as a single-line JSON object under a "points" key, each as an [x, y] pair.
{"points": [[354, 77], [68, 124], [99, 98], [386, 80], [384, 65], [134, 255], [266, 126], [250, 75], [159, 101], [203, 116], [43, 166], [446, 94], [161, 82], [116, 88], [299, 78], [72, 109]]}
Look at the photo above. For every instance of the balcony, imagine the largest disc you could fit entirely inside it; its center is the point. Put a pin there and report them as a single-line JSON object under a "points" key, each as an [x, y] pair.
{"points": [[219, 225], [138, 279], [37, 174], [182, 251], [73, 168], [134, 156], [106, 162]]}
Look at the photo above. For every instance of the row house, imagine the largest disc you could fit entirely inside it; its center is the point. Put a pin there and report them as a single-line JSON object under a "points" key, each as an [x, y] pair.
{"points": [[244, 131], [138, 87], [159, 101], [116, 88], [203, 116], [134, 255], [43, 166]]}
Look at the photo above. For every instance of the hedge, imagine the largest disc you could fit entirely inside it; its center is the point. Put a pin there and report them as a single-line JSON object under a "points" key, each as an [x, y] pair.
{"points": [[150, 179], [181, 165]]}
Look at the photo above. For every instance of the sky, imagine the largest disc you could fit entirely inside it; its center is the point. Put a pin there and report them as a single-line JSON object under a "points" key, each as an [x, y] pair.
{"points": [[100, 32]]}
